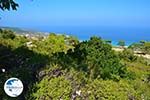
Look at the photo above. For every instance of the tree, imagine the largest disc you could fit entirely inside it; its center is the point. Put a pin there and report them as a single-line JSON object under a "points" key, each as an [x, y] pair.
{"points": [[108, 41], [97, 59], [121, 43], [8, 4], [7, 34], [142, 42], [102, 61], [54, 43]]}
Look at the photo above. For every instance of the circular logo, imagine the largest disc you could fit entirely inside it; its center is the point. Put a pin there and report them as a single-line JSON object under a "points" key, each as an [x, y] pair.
{"points": [[13, 87]]}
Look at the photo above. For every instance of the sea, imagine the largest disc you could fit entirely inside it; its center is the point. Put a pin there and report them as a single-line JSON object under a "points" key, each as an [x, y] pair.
{"points": [[128, 34]]}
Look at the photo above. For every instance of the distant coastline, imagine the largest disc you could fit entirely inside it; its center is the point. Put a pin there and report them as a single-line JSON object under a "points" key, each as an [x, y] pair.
{"points": [[83, 33]]}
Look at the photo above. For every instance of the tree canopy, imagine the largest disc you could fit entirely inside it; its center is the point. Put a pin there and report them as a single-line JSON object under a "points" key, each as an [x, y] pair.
{"points": [[121, 43]]}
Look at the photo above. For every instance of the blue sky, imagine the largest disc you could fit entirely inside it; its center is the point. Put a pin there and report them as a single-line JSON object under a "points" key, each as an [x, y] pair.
{"points": [[131, 13], [43, 14]]}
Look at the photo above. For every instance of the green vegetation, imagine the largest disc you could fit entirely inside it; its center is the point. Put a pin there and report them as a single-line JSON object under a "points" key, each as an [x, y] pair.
{"points": [[142, 46], [128, 55], [121, 43], [7, 34], [59, 67]]}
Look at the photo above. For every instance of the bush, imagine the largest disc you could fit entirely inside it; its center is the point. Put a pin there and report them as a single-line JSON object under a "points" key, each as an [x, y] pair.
{"points": [[108, 90], [128, 55], [7, 34], [53, 89], [99, 59]]}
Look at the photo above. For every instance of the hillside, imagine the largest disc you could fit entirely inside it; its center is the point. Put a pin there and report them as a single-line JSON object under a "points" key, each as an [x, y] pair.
{"points": [[59, 67], [22, 31]]}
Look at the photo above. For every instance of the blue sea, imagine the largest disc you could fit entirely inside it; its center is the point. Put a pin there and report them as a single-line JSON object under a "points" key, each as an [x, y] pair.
{"points": [[129, 35]]}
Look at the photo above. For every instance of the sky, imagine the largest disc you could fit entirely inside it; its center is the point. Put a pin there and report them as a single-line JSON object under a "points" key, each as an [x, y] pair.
{"points": [[88, 16]]}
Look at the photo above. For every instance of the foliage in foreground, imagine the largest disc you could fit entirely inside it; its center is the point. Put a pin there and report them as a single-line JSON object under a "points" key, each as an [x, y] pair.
{"points": [[96, 59], [59, 67]]}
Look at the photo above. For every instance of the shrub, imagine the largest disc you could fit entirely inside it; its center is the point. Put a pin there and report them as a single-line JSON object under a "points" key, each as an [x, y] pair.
{"points": [[128, 55], [7, 34], [108, 90], [99, 59], [53, 89]]}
